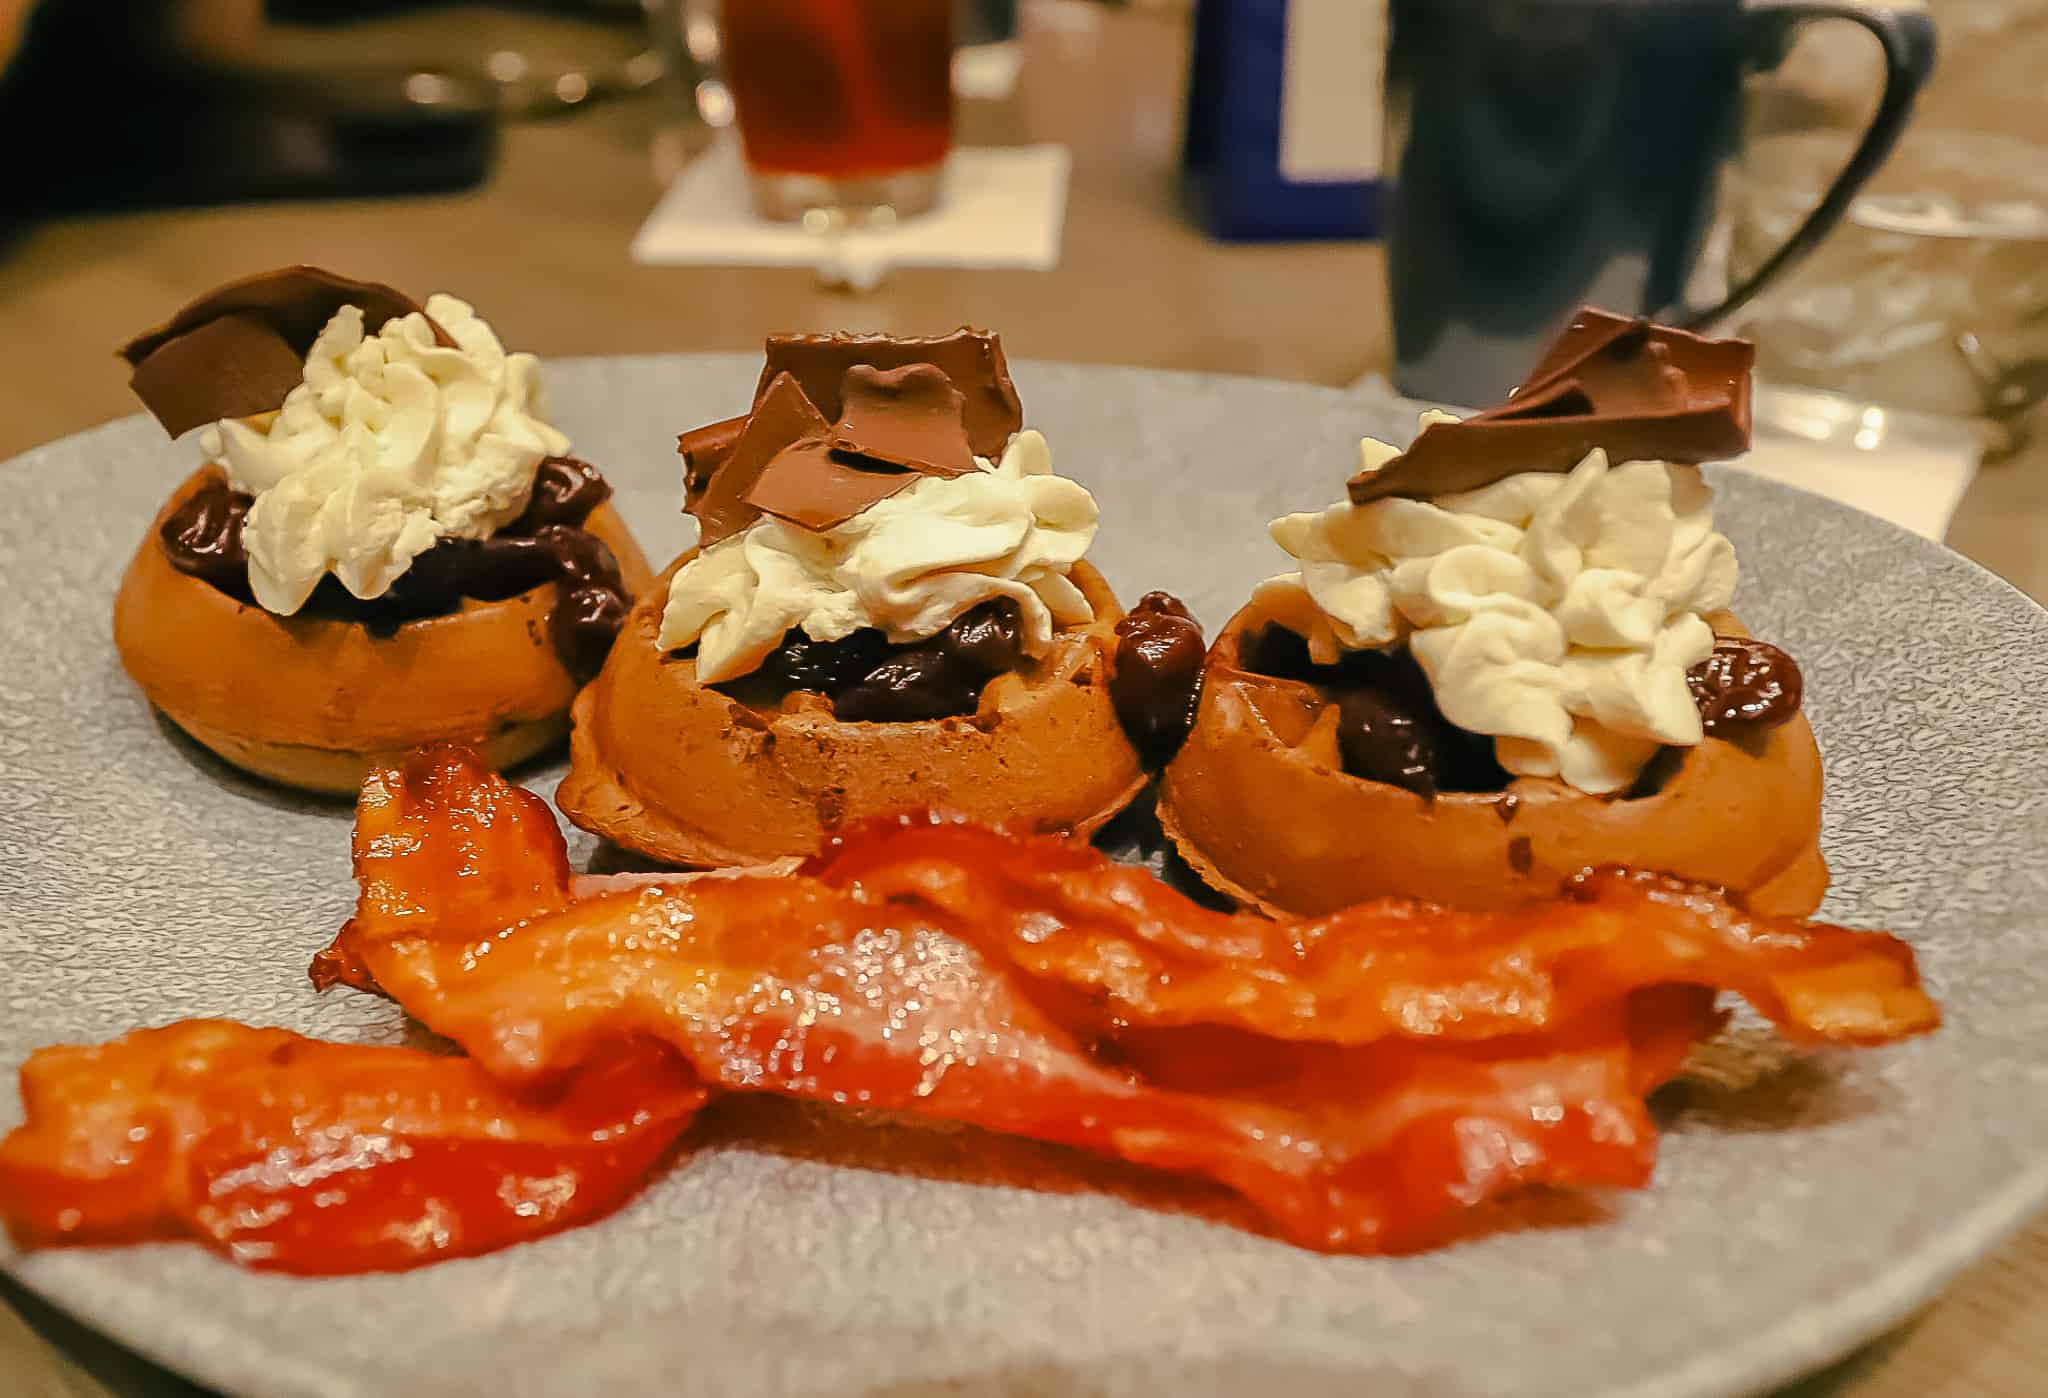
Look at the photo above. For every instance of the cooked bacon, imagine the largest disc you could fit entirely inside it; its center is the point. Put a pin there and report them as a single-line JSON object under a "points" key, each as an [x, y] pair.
{"points": [[801, 990], [1060, 910], [891, 978], [1363, 1079], [288, 1153]]}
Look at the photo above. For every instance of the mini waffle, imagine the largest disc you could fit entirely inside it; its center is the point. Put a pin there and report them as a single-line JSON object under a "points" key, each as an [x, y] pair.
{"points": [[1259, 805], [686, 774], [313, 702]]}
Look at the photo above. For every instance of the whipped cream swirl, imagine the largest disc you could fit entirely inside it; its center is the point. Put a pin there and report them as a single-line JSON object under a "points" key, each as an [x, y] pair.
{"points": [[908, 566], [391, 443], [1556, 613]]}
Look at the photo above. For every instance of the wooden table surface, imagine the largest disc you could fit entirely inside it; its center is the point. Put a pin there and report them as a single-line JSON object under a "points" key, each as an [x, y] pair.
{"points": [[542, 250]]}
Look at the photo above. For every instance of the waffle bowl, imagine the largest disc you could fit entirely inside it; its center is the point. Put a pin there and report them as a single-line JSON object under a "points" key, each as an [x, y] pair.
{"points": [[1259, 805], [312, 701], [686, 774]]}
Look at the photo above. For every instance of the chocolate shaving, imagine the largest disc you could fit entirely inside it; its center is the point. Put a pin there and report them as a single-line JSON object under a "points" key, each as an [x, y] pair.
{"points": [[1638, 391], [894, 426], [791, 460], [971, 359], [908, 417], [814, 487], [704, 449], [240, 348], [782, 417], [233, 366]]}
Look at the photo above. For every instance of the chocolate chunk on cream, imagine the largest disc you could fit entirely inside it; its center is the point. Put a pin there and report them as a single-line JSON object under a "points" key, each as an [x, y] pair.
{"points": [[909, 417], [704, 449], [782, 417], [1638, 391], [239, 349], [810, 485], [236, 365], [971, 359], [790, 460]]}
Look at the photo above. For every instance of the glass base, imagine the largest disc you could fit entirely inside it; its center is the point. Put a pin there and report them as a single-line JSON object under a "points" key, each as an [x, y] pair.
{"points": [[788, 197]]}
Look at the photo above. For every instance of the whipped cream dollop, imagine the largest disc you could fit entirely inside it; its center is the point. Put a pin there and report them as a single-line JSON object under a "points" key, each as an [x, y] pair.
{"points": [[908, 566], [391, 443], [1556, 613]]}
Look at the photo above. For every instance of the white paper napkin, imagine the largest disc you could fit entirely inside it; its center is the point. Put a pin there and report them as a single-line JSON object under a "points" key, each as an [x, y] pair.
{"points": [[987, 72], [1005, 206]]}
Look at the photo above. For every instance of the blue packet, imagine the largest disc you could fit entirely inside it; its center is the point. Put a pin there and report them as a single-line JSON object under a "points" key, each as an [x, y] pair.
{"points": [[1285, 100]]}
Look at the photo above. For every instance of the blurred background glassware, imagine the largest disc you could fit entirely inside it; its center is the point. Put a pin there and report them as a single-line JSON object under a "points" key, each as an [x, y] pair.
{"points": [[232, 100], [842, 106], [684, 37], [1550, 153], [1931, 300], [984, 22]]}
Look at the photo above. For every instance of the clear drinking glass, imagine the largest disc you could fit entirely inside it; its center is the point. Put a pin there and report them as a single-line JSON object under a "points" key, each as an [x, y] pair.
{"points": [[1933, 301], [841, 104]]}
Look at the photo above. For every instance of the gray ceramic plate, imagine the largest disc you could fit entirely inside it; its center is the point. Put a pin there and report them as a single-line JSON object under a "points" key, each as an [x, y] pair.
{"points": [[1799, 1208]]}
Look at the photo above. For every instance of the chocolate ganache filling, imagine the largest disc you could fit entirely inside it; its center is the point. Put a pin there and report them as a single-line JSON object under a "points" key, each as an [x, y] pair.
{"points": [[868, 680], [1389, 728], [547, 543]]}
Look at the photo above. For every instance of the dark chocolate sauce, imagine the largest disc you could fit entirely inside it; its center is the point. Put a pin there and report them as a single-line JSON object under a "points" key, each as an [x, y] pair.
{"points": [[585, 622], [917, 682], [203, 538], [1157, 682], [1745, 685], [824, 667], [565, 491], [1384, 739], [870, 681], [1389, 728]]}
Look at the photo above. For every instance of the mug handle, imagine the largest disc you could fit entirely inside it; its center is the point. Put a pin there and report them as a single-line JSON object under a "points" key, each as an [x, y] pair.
{"points": [[1907, 38]]}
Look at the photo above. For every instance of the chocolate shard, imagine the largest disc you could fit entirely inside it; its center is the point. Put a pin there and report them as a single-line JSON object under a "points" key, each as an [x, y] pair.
{"points": [[1638, 391], [972, 359], [704, 449], [193, 369], [233, 366], [810, 485], [299, 301], [782, 417], [909, 417]]}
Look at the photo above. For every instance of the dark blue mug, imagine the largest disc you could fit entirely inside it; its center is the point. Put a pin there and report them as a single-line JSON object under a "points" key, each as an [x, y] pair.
{"points": [[1548, 154]]}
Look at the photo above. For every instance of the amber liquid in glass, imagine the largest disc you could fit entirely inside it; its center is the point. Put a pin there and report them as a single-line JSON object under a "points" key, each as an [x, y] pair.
{"points": [[840, 88]]}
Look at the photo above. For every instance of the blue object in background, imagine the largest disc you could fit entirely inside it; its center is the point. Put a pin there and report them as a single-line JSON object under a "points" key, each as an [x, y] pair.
{"points": [[1231, 158]]}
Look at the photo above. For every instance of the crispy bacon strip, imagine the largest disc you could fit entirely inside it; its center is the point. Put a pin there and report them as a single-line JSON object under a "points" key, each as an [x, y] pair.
{"points": [[796, 986], [1363, 1079], [287, 1153], [1060, 910]]}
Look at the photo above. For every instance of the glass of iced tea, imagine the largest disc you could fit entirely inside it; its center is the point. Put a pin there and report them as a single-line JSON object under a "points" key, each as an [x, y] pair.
{"points": [[841, 104]]}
